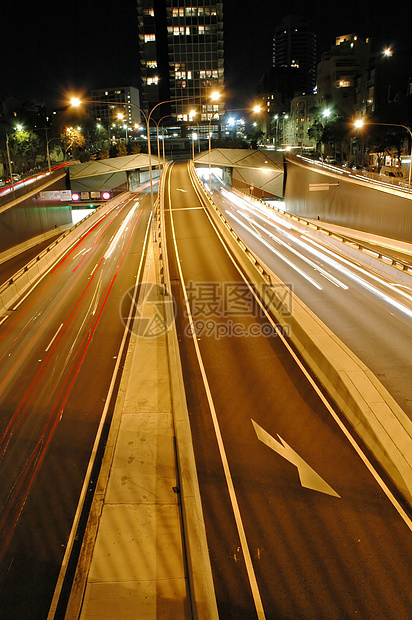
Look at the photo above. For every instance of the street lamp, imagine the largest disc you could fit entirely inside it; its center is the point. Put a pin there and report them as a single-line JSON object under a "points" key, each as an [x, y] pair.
{"points": [[76, 102], [9, 162], [216, 115], [255, 109], [120, 116], [157, 135], [359, 123]]}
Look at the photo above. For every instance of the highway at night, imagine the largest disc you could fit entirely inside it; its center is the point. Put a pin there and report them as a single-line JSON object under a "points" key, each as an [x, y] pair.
{"points": [[367, 310], [299, 524], [61, 348]]}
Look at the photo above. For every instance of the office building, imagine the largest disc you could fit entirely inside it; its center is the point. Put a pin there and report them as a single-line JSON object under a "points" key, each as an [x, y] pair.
{"points": [[339, 72], [195, 47], [294, 46], [106, 113], [187, 38]]}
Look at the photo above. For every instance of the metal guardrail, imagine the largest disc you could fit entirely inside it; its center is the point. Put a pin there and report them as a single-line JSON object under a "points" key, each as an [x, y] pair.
{"points": [[388, 260], [361, 175], [44, 252]]}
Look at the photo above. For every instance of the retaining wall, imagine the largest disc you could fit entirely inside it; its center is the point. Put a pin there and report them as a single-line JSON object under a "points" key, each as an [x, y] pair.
{"points": [[350, 202]]}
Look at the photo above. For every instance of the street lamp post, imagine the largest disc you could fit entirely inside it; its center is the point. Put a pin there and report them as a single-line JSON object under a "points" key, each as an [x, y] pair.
{"points": [[214, 96], [9, 162], [256, 109], [360, 123], [148, 117], [158, 138], [216, 115]]}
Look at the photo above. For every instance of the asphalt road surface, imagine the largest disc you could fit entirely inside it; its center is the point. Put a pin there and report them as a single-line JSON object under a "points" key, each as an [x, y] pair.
{"points": [[58, 356], [299, 524], [366, 310]]}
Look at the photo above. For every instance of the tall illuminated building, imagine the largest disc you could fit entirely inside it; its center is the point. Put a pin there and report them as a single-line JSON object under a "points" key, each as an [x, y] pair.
{"points": [[181, 54], [294, 46]]}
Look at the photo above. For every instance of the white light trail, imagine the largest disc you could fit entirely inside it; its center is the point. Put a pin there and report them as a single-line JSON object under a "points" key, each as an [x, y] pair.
{"points": [[325, 255], [120, 232], [278, 254], [322, 271]]}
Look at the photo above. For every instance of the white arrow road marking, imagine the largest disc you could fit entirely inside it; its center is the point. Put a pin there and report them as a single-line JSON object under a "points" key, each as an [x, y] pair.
{"points": [[308, 477]]}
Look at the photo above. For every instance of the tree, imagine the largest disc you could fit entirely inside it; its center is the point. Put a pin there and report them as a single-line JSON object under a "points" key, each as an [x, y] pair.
{"points": [[121, 149], [72, 140], [24, 149], [315, 132]]}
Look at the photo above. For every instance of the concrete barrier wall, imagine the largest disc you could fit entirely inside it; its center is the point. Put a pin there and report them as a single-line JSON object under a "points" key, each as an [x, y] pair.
{"points": [[29, 217], [367, 405], [355, 204], [16, 286]]}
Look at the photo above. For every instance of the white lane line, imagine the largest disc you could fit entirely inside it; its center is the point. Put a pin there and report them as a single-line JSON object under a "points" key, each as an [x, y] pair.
{"points": [[86, 482], [235, 506], [54, 337], [318, 391]]}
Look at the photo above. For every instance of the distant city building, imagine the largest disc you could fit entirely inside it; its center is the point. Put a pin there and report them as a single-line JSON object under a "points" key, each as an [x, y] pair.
{"points": [[294, 46], [303, 110], [340, 72], [154, 62], [195, 46], [187, 38], [388, 82], [106, 113]]}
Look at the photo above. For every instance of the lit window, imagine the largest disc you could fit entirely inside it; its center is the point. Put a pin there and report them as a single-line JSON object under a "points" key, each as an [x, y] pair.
{"points": [[149, 37], [148, 11], [153, 80], [151, 64], [201, 30]]}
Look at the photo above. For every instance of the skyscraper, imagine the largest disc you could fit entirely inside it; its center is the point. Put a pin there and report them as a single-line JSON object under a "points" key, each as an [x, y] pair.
{"points": [[294, 45], [181, 51]]}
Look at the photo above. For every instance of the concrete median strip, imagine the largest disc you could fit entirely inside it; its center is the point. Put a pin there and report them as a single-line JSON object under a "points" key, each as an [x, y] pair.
{"points": [[377, 418]]}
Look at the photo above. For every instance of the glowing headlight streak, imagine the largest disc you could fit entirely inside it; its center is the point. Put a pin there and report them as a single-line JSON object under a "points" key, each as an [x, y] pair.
{"points": [[278, 254], [321, 254], [332, 262], [243, 203], [368, 274], [316, 267], [346, 271], [120, 232]]}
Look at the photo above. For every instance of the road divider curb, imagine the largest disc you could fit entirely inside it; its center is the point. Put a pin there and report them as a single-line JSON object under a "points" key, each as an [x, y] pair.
{"points": [[200, 573], [367, 405]]}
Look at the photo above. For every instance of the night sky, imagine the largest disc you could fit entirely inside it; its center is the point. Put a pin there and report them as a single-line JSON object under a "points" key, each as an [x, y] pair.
{"points": [[47, 50]]}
